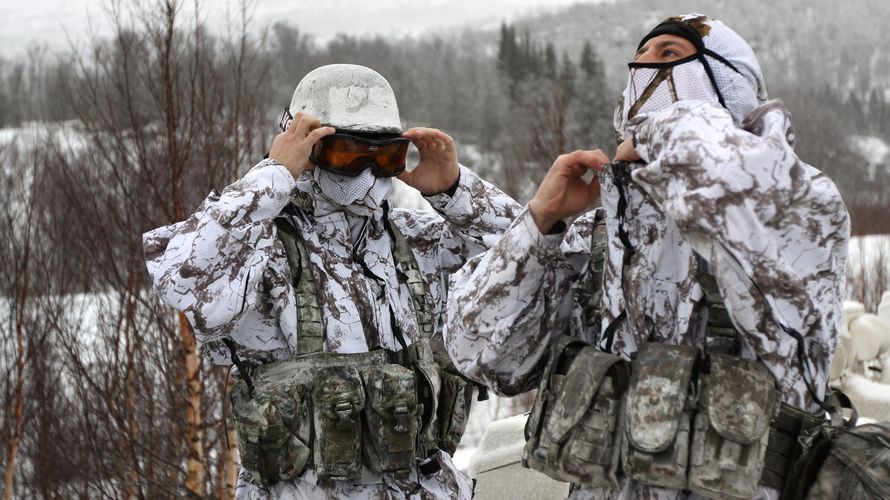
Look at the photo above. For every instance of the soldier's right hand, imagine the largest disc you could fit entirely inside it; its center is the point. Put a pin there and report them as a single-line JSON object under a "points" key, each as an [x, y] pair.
{"points": [[563, 192], [292, 147]]}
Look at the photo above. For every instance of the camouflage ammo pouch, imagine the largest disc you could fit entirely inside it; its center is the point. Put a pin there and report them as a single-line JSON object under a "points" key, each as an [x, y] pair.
{"points": [[738, 399], [659, 406], [455, 399], [573, 428], [837, 459], [291, 419], [392, 416], [337, 403], [336, 412]]}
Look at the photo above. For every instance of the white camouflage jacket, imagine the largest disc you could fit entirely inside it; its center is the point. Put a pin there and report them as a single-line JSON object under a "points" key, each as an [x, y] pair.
{"points": [[225, 268], [772, 229]]}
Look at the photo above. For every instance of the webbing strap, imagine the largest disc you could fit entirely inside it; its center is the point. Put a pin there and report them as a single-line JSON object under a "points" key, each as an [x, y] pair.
{"points": [[721, 335], [310, 330], [414, 279], [592, 291]]}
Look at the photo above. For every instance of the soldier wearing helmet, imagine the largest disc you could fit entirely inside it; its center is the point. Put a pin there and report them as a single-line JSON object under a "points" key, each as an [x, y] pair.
{"points": [[328, 300], [704, 296]]}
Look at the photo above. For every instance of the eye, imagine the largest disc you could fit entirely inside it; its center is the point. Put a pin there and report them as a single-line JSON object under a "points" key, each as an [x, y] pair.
{"points": [[668, 53]]}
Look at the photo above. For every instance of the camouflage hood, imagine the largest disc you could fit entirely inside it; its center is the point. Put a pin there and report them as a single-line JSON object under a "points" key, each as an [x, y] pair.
{"points": [[730, 69]]}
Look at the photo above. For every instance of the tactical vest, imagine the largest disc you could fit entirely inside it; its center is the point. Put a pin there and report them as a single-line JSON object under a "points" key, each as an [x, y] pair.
{"points": [[676, 416], [384, 410]]}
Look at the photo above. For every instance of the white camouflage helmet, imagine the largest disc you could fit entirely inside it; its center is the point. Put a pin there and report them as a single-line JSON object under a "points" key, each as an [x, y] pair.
{"points": [[348, 97]]}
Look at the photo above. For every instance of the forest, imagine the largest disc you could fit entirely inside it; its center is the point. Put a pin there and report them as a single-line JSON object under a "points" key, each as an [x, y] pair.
{"points": [[104, 392]]}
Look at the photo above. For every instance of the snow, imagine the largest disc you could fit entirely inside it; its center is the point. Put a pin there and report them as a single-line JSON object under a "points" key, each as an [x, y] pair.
{"points": [[871, 147], [874, 149], [462, 456], [67, 134]]}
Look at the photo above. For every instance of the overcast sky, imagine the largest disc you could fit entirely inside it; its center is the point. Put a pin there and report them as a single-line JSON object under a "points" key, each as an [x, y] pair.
{"points": [[53, 21]]}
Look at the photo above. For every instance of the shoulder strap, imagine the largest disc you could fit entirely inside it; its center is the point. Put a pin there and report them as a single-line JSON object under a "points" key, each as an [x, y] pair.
{"points": [[721, 335], [310, 330], [310, 334], [416, 286], [593, 286]]}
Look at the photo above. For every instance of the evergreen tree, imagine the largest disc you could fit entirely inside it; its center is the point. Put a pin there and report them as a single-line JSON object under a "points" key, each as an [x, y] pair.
{"points": [[568, 75], [550, 62], [594, 108]]}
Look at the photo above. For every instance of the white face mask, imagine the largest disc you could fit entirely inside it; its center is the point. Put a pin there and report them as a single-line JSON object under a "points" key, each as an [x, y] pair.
{"points": [[654, 87], [361, 195]]}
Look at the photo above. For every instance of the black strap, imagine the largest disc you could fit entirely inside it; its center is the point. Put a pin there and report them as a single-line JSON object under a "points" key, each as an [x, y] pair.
{"points": [[609, 333], [430, 467], [242, 367], [620, 176]]}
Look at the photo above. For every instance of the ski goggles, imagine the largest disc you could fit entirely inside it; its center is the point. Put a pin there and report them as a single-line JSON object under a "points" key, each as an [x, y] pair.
{"points": [[350, 154]]}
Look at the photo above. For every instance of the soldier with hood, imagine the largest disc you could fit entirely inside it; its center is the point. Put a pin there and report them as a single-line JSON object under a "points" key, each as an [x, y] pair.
{"points": [[328, 300], [714, 239]]}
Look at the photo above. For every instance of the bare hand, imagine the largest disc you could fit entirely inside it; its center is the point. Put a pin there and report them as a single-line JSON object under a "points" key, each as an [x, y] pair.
{"points": [[626, 151], [563, 192], [438, 169], [291, 148]]}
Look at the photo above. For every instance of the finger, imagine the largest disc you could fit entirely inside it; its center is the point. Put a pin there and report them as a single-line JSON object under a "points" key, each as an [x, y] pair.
{"points": [[295, 121], [417, 132], [445, 138], [312, 122], [589, 159], [304, 124], [421, 133], [300, 128], [318, 133]]}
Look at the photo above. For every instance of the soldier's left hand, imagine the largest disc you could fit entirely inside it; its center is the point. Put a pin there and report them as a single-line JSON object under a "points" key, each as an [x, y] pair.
{"points": [[438, 169]]}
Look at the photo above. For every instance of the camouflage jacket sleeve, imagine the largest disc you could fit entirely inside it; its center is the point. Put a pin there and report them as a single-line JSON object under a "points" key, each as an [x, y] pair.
{"points": [[463, 226], [773, 229], [507, 303], [210, 265], [477, 214]]}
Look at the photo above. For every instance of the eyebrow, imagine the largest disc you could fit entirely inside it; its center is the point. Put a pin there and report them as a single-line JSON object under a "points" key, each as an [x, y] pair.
{"points": [[660, 45]]}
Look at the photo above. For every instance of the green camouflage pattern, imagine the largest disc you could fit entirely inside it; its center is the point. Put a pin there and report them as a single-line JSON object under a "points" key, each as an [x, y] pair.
{"points": [[857, 465], [453, 413], [738, 400], [392, 417], [310, 330], [576, 421], [338, 400], [274, 425], [273, 428], [659, 407], [429, 389]]}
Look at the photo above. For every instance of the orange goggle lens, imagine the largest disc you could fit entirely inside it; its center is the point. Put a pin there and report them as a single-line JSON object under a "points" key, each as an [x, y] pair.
{"points": [[347, 154]]}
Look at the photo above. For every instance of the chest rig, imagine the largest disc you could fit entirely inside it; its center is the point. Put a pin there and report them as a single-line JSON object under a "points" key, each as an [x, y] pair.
{"points": [[382, 410], [686, 417]]}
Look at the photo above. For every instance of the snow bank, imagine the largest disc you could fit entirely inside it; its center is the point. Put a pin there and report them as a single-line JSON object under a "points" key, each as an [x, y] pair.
{"points": [[872, 399]]}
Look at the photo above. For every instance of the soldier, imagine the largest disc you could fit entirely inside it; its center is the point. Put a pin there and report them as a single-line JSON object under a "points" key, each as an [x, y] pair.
{"points": [[715, 270], [327, 299]]}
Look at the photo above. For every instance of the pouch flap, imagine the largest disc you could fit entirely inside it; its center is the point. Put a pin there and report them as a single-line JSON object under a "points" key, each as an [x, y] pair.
{"points": [[580, 385], [545, 392], [741, 398], [339, 391], [391, 390], [657, 395]]}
